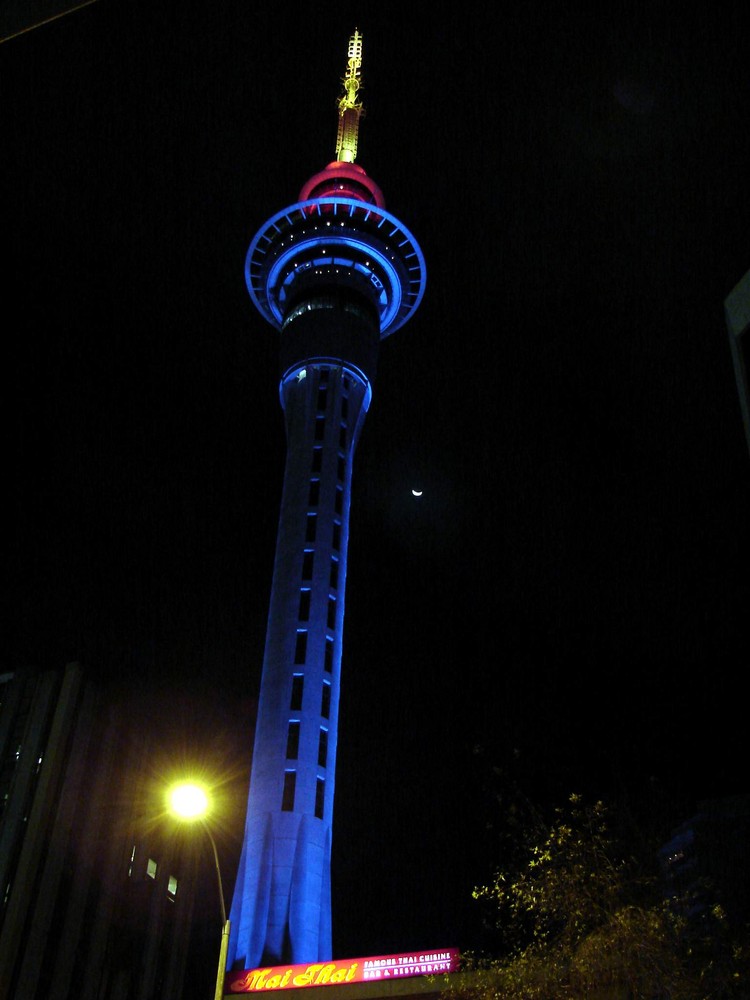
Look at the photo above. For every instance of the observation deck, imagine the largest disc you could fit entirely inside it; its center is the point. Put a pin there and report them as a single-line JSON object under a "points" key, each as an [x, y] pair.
{"points": [[336, 242]]}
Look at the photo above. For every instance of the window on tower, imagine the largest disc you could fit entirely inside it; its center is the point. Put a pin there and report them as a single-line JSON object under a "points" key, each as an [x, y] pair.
{"points": [[323, 747], [314, 492], [342, 436], [341, 468], [317, 459], [304, 605], [328, 657], [325, 704], [287, 799], [320, 428], [320, 795], [334, 579], [298, 683], [336, 535], [331, 612], [307, 565], [300, 649], [312, 521], [339, 500], [292, 740], [322, 396]]}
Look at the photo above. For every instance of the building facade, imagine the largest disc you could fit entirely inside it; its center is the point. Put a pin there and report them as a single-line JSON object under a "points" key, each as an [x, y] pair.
{"points": [[97, 900]]}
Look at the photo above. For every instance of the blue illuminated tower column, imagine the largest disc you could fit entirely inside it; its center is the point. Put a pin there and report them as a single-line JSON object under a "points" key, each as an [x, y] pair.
{"points": [[334, 273]]}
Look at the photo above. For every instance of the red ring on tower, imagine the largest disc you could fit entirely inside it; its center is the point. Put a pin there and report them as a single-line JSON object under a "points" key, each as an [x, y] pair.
{"points": [[343, 180]]}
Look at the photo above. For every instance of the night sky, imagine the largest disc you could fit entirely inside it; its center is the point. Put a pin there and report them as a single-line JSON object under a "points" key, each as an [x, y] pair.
{"points": [[569, 596]]}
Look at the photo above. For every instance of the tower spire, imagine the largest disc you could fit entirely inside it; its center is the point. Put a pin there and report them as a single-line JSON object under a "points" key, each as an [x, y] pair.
{"points": [[350, 108]]}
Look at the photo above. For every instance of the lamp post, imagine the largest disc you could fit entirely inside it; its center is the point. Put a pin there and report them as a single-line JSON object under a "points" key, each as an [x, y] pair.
{"points": [[190, 802]]}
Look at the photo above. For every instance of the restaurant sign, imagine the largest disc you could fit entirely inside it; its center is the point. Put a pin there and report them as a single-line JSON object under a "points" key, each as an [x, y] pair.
{"points": [[349, 970]]}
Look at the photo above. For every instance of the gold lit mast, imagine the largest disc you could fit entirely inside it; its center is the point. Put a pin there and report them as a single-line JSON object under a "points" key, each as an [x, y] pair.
{"points": [[350, 109]]}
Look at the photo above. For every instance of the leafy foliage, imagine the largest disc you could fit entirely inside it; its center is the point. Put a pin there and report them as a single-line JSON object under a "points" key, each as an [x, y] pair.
{"points": [[580, 916]]}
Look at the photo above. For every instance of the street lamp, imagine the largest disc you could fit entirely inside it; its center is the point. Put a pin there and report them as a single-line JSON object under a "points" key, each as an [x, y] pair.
{"points": [[189, 801]]}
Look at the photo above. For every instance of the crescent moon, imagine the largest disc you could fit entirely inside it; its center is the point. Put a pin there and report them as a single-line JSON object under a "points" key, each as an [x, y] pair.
{"points": [[416, 493]]}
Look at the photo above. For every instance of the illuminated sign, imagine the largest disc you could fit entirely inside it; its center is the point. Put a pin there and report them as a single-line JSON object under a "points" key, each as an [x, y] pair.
{"points": [[349, 970]]}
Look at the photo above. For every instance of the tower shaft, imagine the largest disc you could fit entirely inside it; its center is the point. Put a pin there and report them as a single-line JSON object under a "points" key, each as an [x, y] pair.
{"points": [[282, 909]]}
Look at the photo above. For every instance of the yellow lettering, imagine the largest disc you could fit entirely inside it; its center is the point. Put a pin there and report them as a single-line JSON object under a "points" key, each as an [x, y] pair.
{"points": [[324, 975], [306, 977]]}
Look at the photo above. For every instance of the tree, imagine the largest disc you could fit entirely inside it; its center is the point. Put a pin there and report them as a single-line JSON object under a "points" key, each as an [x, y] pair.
{"points": [[577, 914]]}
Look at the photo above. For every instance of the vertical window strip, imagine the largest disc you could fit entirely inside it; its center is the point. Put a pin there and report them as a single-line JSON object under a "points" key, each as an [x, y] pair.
{"points": [[290, 784], [300, 649], [292, 740], [307, 564], [304, 605], [311, 527], [298, 685]]}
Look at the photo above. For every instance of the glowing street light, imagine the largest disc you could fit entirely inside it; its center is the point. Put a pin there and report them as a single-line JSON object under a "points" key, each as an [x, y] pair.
{"points": [[189, 801]]}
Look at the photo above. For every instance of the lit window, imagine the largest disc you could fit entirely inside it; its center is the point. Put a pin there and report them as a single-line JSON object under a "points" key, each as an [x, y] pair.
{"points": [[172, 887], [151, 867]]}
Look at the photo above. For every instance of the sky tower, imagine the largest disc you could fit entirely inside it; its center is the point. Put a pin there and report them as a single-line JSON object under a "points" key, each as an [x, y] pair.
{"points": [[335, 273]]}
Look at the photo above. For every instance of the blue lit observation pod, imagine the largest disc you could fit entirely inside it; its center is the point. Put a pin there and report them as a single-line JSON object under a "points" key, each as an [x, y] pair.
{"points": [[335, 273]]}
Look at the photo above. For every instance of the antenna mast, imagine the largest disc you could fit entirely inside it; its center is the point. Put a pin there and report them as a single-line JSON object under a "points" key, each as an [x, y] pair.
{"points": [[350, 109]]}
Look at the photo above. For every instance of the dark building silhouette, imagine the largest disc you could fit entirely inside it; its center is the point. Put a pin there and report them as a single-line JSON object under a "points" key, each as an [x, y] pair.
{"points": [[737, 315], [707, 859], [97, 889]]}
